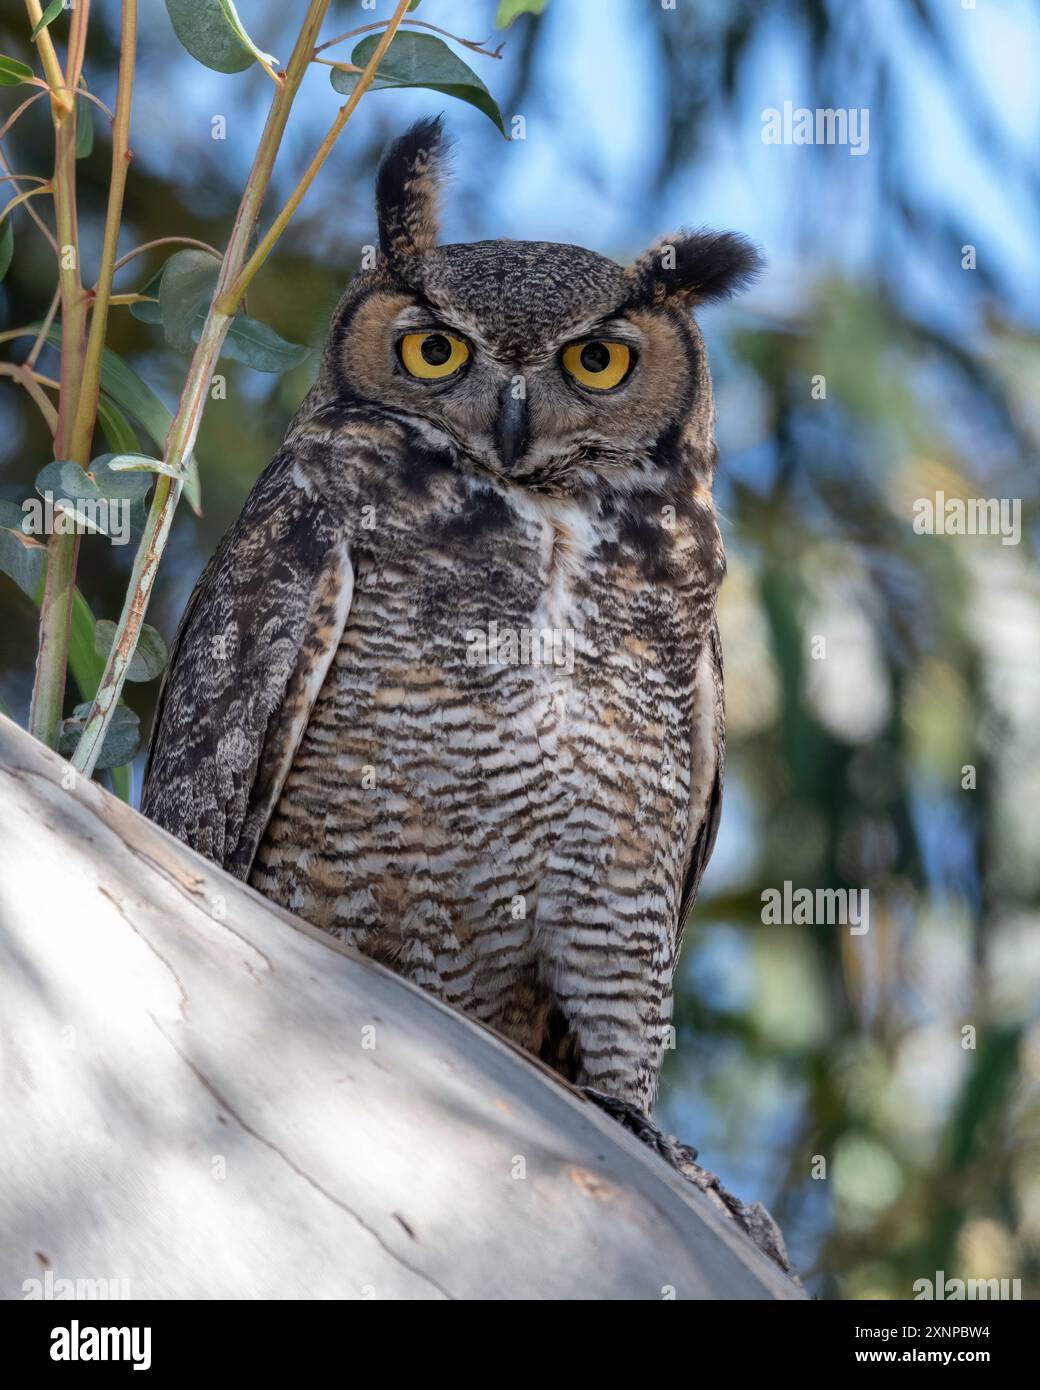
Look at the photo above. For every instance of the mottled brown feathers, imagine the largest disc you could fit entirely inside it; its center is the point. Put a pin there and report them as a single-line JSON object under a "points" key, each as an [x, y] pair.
{"points": [[460, 704]]}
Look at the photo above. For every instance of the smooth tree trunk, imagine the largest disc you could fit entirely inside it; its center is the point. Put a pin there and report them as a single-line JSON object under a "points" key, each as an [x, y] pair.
{"points": [[203, 1097]]}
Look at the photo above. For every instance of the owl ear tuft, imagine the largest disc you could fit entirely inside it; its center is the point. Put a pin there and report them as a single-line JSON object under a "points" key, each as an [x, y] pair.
{"points": [[408, 192], [698, 266]]}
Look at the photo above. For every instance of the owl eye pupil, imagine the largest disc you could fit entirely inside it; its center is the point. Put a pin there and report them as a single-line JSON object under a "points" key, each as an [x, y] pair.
{"points": [[595, 357], [435, 349]]}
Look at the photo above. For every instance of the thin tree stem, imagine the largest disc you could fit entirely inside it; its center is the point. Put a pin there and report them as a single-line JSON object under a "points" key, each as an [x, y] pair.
{"points": [[62, 551], [477, 45], [61, 97], [31, 210], [86, 407], [13, 117], [34, 384], [185, 426], [229, 301], [167, 241], [97, 102], [45, 328]]}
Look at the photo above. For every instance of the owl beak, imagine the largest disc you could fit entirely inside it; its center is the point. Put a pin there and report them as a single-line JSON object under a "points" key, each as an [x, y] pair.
{"points": [[511, 427]]}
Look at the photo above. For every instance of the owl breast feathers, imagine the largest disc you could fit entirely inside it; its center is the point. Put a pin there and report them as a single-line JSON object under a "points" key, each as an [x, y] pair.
{"points": [[451, 687]]}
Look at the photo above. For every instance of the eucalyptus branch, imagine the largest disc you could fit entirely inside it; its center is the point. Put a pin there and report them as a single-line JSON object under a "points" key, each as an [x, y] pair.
{"points": [[18, 111], [48, 234], [184, 429], [341, 67], [45, 328], [83, 92], [229, 301], [167, 241], [477, 45], [86, 406], [77, 50], [45, 187], [61, 98], [62, 551], [33, 384], [21, 178]]}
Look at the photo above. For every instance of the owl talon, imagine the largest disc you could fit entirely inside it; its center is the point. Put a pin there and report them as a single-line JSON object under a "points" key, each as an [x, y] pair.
{"points": [[630, 1117], [754, 1218]]}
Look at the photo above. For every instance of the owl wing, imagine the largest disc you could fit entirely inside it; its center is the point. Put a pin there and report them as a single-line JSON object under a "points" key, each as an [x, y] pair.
{"points": [[706, 769], [253, 648]]}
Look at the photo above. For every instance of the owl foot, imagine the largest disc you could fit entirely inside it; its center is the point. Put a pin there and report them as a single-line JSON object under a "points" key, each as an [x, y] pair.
{"points": [[753, 1218], [630, 1117]]}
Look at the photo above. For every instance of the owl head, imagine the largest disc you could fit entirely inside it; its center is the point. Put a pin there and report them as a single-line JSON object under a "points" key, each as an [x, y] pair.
{"points": [[545, 363]]}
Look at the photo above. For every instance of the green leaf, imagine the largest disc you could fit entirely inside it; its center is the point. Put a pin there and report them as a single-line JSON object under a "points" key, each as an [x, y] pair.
{"points": [[143, 463], [420, 60], [147, 310], [11, 515], [21, 557], [212, 33], [13, 73], [67, 480], [66, 485], [84, 126], [139, 401], [150, 657], [256, 345], [248, 340], [508, 10], [139, 463], [186, 289], [48, 17], [117, 429], [193, 487], [237, 27], [121, 741], [414, 5], [87, 667], [6, 246]]}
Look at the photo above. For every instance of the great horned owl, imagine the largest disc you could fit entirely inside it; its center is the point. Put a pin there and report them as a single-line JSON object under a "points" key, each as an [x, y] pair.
{"points": [[451, 687]]}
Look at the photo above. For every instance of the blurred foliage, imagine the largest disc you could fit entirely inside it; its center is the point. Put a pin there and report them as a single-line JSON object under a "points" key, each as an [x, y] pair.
{"points": [[794, 1043]]}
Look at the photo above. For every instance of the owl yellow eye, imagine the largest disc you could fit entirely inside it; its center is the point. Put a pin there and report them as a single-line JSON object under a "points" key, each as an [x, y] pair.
{"points": [[432, 356], [598, 364]]}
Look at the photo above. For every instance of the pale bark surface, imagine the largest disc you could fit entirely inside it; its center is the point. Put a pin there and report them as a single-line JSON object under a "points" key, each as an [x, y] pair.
{"points": [[203, 1096]]}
